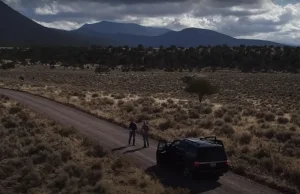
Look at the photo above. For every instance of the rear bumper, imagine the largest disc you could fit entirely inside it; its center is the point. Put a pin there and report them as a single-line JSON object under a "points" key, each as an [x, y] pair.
{"points": [[219, 171]]}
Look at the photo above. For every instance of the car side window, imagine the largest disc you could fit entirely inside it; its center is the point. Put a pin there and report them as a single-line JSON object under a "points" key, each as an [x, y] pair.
{"points": [[191, 150], [181, 146]]}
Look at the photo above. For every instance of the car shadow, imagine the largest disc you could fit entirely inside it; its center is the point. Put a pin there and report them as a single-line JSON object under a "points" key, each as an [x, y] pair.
{"points": [[169, 178], [135, 150]]}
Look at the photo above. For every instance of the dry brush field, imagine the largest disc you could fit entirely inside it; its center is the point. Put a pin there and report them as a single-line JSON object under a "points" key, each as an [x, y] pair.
{"points": [[40, 156], [257, 115]]}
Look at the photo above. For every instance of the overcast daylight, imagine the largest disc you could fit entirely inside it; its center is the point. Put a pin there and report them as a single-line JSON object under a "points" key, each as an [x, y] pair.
{"points": [[277, 20], [149, 97]]}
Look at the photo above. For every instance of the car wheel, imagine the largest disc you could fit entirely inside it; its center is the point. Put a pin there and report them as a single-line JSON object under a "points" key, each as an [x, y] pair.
{"points": [[186, 172]]}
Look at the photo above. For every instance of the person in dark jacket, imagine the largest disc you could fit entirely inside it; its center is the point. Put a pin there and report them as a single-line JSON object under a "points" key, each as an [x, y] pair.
{"points": [[132, 128], [145, 131]]}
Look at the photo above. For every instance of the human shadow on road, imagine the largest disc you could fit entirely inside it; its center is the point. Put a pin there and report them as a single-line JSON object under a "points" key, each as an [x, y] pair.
{"points": [[171, 179], [135, 150], [120, 148]]}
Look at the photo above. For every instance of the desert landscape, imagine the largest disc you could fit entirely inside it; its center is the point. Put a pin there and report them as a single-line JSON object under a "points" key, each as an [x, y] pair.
{"points": [[39, 155], [256, 114]]}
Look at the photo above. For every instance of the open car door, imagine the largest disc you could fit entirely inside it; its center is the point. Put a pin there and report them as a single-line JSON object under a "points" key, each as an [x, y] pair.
{"points": [[161, 152]]}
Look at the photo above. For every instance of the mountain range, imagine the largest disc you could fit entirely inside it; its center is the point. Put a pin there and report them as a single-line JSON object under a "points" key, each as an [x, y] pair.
{"points": [[18, 30]]}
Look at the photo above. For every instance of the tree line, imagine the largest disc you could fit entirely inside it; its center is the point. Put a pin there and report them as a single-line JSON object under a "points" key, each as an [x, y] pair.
{"points": [[245, 58]]}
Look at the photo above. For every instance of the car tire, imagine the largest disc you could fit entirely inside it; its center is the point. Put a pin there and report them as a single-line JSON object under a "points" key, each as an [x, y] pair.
{"points": [[186, 173]]}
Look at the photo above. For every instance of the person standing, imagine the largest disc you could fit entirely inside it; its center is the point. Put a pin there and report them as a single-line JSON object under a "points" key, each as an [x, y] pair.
{"points": [[132, 127], [145, 131]]}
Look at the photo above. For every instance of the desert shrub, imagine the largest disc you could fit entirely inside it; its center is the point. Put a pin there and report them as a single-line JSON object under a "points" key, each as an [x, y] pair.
{"points": [[119, 163], [282, 120], [97, 151], [102, 69], [269, 116], [249, 112], [226, 130], [269, 133], [205, 110], [55, 159], [14, 110], [166, 125], [66, 131], [143, 117], [31, 180], [191, 133], [240, 168], [267, 163], [245, 138], [118, 96], [219, 113], [294, 175], [261, 153], [280, 113], [65, 155], [8, 122], [94, 176], [296, 140], [128, 107], [260, 115], [180, 116], [228, 118], [74, 170], [40, 157], [7, 66], [193, 114], [95, 95], [106, 101], [206, 123], [219, 122], [284, 136], [245, 149], [60, 181]]}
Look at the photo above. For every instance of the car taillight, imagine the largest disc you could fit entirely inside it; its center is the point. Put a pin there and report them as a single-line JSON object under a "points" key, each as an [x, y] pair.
{"points": [[227, 162], [196, 164]]}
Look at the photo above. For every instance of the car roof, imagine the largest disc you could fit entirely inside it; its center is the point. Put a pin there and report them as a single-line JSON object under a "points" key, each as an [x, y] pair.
{"points": [[202, 143]]}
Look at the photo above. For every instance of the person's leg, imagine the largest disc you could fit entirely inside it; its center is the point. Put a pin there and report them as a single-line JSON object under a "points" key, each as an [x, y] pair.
{"points": [[147, 140], [144, 139], [130, 135], [133, 134]]}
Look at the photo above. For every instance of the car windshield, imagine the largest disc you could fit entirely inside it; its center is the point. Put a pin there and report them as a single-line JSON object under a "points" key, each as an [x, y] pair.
{"points": [[209, 154]]}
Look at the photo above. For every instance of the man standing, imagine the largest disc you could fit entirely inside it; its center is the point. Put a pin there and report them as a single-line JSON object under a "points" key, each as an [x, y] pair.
{"points": [[145, 130], [132, 127]]}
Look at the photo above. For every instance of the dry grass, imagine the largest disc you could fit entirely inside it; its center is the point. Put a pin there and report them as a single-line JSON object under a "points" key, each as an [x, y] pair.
{"points": [[39, 156], [258, 121]]}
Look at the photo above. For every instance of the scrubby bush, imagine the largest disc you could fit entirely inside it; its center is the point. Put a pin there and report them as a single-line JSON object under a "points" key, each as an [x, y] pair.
{"points": [[284, 136], [226, 130], [269, 116], [228, 118], [245, 138], [219, 113], [282, 120], [219, 122], [166, 125]]}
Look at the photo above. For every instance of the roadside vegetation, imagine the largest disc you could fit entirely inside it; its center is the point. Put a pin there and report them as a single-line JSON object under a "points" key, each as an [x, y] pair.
{"points": [[38, 155], [170, 59]]}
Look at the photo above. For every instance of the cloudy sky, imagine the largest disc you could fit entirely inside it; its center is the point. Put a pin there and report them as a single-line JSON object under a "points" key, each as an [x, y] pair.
{"points": [[277, 20]]}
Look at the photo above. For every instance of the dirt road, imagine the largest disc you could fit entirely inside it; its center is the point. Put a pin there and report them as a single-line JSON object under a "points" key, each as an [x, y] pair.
{"points": [[115, 138]]}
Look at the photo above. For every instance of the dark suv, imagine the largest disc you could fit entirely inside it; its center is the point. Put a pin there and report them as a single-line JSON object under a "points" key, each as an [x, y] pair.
{"points": [[194, 156]]}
